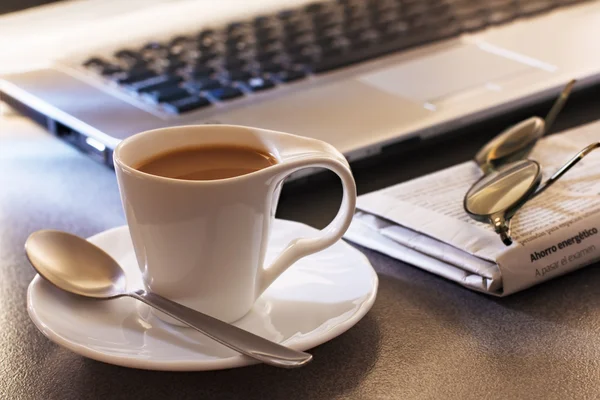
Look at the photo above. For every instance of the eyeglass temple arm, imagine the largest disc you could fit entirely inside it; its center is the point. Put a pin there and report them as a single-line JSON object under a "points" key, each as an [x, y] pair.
{"points": [[502, 227], [567, 167], [558, 105]]}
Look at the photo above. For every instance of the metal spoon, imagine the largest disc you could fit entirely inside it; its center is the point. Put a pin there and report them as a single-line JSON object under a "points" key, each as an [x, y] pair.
{"points": [[77, 266]]}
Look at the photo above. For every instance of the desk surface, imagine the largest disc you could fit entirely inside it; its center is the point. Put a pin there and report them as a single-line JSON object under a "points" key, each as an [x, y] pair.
{"points": [[424, 338]]}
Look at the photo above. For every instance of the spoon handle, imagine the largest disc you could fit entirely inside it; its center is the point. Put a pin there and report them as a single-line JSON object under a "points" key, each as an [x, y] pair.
{"points": [[231, 336]]}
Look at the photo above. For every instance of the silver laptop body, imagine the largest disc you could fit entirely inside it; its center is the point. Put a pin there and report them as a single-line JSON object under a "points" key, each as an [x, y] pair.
{"points": [[363, 104]]}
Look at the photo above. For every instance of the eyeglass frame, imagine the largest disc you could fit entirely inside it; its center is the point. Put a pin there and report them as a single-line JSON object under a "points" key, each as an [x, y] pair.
{"points": [[501, 219]]}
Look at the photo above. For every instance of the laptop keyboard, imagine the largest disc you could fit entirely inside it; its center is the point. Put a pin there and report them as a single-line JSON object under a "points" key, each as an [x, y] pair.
{"points": [[194, 71]]}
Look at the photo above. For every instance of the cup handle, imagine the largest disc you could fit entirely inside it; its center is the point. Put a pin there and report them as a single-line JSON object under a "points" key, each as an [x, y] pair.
{"points": [[302, 247]]}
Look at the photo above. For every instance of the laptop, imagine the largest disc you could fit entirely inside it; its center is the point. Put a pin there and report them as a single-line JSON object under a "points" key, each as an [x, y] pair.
{"points": [[367, 76]]}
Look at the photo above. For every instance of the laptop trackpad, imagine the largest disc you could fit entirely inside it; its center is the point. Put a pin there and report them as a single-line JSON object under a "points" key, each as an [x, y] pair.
{"points": [[436, 77]]}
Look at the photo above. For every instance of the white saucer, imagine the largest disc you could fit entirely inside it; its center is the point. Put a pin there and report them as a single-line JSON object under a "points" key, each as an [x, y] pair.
{"points": [[317, 299]]}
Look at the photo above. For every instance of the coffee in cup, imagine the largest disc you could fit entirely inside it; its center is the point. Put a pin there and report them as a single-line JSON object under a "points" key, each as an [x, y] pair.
{"points": [[207, 162]]}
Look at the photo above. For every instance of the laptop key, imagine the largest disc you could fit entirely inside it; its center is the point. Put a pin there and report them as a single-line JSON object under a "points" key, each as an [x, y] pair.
{"points": [[333, 30], [135, 75], [203, 84], [532, 7], [450, 29], [332, 52], [174, 64], [500, 4], [271, 66], [154, 50], [167, 94], [434, 19], [128, 56], [329, 27], [379, 19], [302, 58], [179, 40], [201, 71], [501, 16], [236, 27], [474, 23], [314, 7], [324, 19], [239, 75], [234, 63], [140, 68], [109, 70], [207, 55], [297, 49], [299, 40], [263, 56], [239, 44], [287, 14], [262, 20], [186, 104], [268, 43], [416, 8], [207, 33], [332, 42], [467, 9], [382, 8], [393, 29], [226, 93], [357, 24], [297, 30], [352, 11], [265, 33], [290, 76], [102, 67], [366, 39], [94, 62], [207, 38], [155, 83], [258, 84]]}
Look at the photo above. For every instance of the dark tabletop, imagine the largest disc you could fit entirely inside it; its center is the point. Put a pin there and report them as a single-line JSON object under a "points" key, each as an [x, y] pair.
{"points": [[424, 338], [7, 6]]}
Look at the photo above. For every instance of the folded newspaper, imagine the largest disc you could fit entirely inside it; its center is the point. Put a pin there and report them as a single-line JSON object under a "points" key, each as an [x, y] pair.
{"points": [[422, 222]]}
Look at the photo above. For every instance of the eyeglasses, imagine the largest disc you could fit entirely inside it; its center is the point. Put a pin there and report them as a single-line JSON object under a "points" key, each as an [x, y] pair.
{"points": [[510, 179]]}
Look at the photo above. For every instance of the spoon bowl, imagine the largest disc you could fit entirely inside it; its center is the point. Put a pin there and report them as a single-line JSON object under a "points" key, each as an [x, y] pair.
{"points": [[75, 265]]}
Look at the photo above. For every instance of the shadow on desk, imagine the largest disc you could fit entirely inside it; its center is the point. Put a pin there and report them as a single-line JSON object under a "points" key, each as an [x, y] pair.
{"points": [[338, 367], [542, 340], [554, 300]]}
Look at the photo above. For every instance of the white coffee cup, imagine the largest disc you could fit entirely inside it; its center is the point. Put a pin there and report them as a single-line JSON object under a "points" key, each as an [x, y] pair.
{"points": [[203, 243]]}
